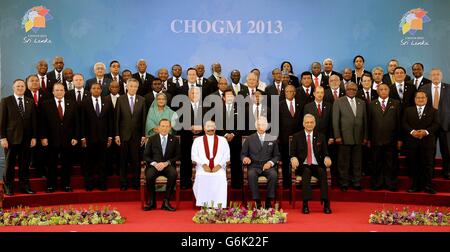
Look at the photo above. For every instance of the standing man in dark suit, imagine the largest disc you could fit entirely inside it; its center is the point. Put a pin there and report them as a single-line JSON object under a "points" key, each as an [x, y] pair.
{"points": [[126, 75], [401, 90], [177, 81], [79, 93], [68, 79], [59, 131], [438, 98], [260, 152], [419, 80], [328, 70], [44, 81], [377, 76], [306, 90], [99, 70], [421, 123], [202, 81], [321, 110], [335, 91], [161, 153], [57, 74], [277, 88], [145, 79], [157, 88], [350, 132], [291, 111], [309, 151], [389, 77], [18, 132], [131, 115], [114, 74], [257, 108], [317, 77], [188, 84], [384, 135], [236, 85], [168, 87], [96, 136], [113, 152], [216, 74], [194, 120]]}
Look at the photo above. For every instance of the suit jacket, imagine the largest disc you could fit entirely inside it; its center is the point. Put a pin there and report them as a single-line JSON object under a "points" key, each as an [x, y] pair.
{"points": [[207, 89], [243, 90], [96, 129], [48, 85], [290, 124], [384, 127], [444, 103], [299, 147], [13, 127], [146, 86], [51, 77], [272, 90], [423, 82], [154, 153], [251, 117], [121, 85], [323, 121], [387, 79], [59, 132], [408, 95], [323, 82], [326, 79], [72, 95], [42, 96], [352, 129], [258, 153], [126, 124], [176, 89], [213, 83], [329, 96], [429, 122], [353, 79], [362, 95], [302, 94], [150, 97], [105, 85]]}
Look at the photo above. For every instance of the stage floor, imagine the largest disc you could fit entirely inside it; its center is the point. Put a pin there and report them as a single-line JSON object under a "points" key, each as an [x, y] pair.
{"points": [[346, 217]]}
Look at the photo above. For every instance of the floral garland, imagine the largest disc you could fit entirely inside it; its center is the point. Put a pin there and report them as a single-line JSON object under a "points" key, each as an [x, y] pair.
{"points": [[237, 214], [406, 217], [59, 216]]}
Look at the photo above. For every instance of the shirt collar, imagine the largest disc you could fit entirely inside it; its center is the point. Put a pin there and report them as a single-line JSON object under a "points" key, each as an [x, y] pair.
{"points": [[62, 100], [17, 97], [385, 100]]}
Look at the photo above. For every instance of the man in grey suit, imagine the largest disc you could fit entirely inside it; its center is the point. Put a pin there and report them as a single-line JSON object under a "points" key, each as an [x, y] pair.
{"points": [[350, 131], [260, 152], [131, 115]]}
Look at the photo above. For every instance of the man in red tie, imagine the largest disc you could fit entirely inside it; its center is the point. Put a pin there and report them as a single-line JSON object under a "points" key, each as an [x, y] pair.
{"points": [[42, 68], [305, 91], [309, 153]]}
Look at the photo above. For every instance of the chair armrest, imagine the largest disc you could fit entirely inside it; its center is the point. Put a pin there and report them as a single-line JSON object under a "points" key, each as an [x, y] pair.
{"points": [[293, 173], [279, 169], [177, 168], [143, 167]]}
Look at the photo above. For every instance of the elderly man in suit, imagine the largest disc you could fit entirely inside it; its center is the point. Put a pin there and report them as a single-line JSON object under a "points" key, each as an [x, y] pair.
{"points": [[129, 124], [384, 134], [350, 132], [145, 79], [17, 135], [99, 70], [160, 155], [336, 90], [421, 123], [438, 98], [309, 151], [260, 152]]}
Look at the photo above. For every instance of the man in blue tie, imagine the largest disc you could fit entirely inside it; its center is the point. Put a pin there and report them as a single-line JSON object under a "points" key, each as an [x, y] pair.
{"points": [[160, 155]]}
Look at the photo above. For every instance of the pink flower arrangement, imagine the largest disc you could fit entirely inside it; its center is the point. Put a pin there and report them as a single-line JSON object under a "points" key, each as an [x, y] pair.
{"points": [[406, 216]]}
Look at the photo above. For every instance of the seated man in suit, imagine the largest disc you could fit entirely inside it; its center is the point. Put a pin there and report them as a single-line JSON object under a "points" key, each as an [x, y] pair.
{"points": [[309, 151], [421, 123], [260, 152], [160, 155], [18, 135]]}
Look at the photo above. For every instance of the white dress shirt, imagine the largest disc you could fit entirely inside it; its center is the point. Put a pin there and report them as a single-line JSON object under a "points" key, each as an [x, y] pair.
{"points": [[99, 102], [63, 105], [17, 101]]}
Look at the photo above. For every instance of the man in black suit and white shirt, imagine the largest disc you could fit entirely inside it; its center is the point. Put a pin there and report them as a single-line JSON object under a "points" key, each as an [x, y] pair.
{"points": [[236, 85], [56, 75], [99, 69], [44, 81], [18, 132], [114, 74], [68, 79], [177, 81], [168, 87], [389, 77], [145, 79], [401, 90], [328, 70], [317, 77], [336, 90], [161, 153], [306, 90], [277, 88], [216, 74], [202, 81], [419, 80], [156, 89]]}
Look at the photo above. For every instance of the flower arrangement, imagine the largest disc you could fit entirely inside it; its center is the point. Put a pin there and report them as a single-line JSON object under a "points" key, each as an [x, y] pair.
{"points": [[59, 216], [407, 217], [237, 214]]}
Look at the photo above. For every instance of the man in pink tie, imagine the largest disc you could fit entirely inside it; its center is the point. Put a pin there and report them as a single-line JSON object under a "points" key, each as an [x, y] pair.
{"points": [[309, 153]]}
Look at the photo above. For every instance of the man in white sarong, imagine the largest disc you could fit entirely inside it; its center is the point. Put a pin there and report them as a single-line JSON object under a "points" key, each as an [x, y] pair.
{"points": [[211, 154]]}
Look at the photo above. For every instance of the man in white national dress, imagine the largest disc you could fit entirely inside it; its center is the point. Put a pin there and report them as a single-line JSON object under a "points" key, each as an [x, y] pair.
{"points": [[211, 154]]}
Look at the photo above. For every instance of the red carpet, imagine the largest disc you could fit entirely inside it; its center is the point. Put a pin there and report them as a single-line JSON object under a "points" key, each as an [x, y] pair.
{"points": [[346, 217]]}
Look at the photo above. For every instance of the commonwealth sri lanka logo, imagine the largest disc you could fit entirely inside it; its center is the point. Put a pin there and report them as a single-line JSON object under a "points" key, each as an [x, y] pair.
{"points": [[36, 18], [413, 20]]}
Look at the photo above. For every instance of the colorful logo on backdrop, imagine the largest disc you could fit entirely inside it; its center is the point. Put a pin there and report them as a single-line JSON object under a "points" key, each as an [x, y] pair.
{"points": [[36, 18], [411, 22]]}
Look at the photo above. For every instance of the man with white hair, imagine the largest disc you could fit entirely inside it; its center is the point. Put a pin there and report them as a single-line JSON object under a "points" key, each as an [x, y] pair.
{"points": [[328, 70], [145, 79], [99, 70], [216, 74], [210, 153]]}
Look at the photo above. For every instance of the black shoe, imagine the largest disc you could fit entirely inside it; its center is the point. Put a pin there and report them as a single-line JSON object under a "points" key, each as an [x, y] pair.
{"points": [[166, 206], [429, 190], [151, 205], [392, 188], [375, 188], [344, 188], [358, 188], [8, 190], [68, 189], [123, 187], [326, 206], [27, 190], [102, 188], [447, 176], [258, 204], [50, 189], [268, 205], [305, 209], [135, 187], [413, 190]]}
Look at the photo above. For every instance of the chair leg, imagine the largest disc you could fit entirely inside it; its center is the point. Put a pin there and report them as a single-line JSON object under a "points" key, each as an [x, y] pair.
{"points": [[280, 195], [144, 195], [177, 195], [293, 195]]}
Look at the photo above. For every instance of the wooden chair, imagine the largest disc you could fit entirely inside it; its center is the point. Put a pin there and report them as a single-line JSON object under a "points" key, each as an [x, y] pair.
{"points": [[194, 171], [262, 181], [161, 180], [297, 179]]}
